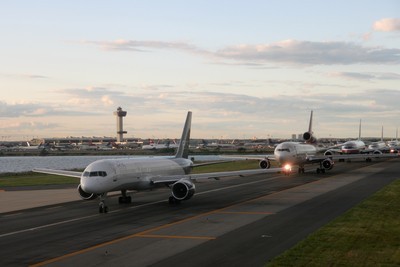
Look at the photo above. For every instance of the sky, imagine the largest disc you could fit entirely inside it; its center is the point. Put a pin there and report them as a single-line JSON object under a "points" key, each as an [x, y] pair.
{"points": [[246, 69]]}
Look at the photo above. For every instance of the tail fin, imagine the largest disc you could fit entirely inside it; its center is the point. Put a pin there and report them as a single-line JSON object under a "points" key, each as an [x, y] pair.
{"points": [[183, 149], [359, 131], [310, 125], [308, 136]]}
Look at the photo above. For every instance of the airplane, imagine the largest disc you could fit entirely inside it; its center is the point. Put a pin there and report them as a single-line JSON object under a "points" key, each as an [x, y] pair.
{"points": [[107, 175], [29, 147], [354, 146], [359, 147], [394, 145], [379, 145], [291, 153]]}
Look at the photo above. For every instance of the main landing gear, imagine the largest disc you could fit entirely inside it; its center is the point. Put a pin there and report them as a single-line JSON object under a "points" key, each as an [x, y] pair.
{"points": [[173, 201], [124, 199], [321, 169], [301, 169]]}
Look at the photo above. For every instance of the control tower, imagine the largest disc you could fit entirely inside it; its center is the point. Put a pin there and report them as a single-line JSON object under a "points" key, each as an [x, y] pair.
{"points": [[120, 132]]}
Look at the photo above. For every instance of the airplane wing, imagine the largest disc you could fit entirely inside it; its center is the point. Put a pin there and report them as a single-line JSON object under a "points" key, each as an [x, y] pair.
{"points": [[212, 175], [249, 157], [351, 156], [59, 172]]}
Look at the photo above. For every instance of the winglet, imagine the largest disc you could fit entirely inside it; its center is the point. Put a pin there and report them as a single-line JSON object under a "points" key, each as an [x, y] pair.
{"points": [[183, 149]]}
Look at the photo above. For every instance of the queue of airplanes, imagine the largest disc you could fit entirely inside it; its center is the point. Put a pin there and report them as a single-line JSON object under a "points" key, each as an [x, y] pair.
{"points": [[289, 154], [127, 174]]}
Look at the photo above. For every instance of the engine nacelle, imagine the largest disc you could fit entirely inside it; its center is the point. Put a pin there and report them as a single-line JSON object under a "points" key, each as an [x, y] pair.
{"points": [[309, 138], [183, 189], [84, 195], [327, 164], [328, 153], [377, 152], [265, 164]]}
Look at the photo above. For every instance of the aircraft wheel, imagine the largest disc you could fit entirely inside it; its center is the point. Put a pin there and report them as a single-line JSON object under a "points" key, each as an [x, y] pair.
{"points": [[103, 208], [124, 200]]}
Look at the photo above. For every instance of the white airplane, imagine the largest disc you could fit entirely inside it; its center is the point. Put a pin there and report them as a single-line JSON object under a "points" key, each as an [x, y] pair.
{"points": [[358, 146], [300, 154], [30, 147], [103, 176], [394, 145], [379, 145], [354, 146]]}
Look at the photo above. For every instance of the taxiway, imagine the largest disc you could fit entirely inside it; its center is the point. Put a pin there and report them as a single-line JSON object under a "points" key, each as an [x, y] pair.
{"points": [[242, 221]]}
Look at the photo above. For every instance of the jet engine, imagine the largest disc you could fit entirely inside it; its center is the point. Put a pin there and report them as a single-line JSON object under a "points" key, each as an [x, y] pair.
{"points": [[183, 189], [84, 195], [328, 153], [377, 152], [265, 164], [327, 164], [309, 138]]}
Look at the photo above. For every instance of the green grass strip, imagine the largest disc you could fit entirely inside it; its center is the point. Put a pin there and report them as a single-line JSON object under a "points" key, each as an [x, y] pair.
{"points": [[33, 179], [366, 235]]}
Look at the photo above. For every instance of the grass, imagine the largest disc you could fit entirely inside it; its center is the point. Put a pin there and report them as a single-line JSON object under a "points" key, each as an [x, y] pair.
{"points": [[367, 235], [32, 179]]}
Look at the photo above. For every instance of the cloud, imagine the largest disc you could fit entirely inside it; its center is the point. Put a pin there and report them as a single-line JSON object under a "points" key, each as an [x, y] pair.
{"points": [[288, 52], [387, 25], [31, 126], [27, 109], [140, 46], [24, 76], [366, 76], [215, 114], [311, 53]]}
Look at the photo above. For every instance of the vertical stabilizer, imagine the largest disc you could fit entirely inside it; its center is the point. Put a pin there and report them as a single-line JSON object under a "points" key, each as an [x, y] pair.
{"points": [[359, 131], [310, 125], [183, 149], [382, 134], [308, 136]]}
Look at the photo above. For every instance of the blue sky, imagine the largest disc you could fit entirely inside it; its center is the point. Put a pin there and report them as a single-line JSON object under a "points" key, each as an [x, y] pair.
{"points": [[245, 68]]}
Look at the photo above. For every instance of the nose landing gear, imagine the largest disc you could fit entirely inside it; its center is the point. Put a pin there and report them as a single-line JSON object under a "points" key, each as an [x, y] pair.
{"points": [[102, 205]]}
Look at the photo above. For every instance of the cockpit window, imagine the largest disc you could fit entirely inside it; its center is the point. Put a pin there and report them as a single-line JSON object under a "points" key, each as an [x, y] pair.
{"points": [[91, 174], [284, 149]]}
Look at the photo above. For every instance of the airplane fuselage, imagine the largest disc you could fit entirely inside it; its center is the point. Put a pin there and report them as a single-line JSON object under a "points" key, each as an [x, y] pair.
{"points": [[353, 147], [130, 173], [294, 153]]}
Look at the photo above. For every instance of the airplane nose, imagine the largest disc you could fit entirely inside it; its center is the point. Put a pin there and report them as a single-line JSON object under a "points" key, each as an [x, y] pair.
{"points": [[91, 185]]}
